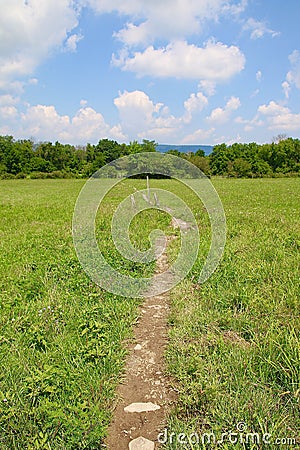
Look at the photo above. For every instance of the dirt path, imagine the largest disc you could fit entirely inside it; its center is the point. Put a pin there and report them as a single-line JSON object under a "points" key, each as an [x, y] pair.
{"points": [[145, 396]]}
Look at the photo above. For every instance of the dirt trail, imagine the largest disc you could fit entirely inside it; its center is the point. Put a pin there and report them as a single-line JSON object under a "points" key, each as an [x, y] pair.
{"points": [[145, 390]]}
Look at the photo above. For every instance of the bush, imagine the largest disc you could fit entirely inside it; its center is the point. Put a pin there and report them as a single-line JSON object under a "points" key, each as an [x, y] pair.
{"points": [[38, 175], [7, 176], [21, 175], [52, 175]]}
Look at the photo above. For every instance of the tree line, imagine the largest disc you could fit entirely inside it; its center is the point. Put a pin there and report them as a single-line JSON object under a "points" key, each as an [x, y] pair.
{"points": [[26, 159]]}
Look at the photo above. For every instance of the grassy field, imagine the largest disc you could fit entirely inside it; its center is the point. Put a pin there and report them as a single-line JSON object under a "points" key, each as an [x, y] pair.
{"points": [[234, 348], [61, 335]]}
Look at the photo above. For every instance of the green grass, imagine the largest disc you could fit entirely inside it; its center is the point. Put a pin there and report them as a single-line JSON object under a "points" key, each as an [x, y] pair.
{"points": [[61, 336], [235, 348], [234, 341]]}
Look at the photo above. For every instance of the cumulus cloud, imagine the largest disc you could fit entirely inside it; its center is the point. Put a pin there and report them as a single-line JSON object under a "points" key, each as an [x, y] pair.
{"points": [[208, 86], [8, 112], [272, 109], [214, 62], [258, 29], [29, 31], [279, 117], [89, 124], [195, 103], [72, 41], [8, 100], [136, 110], [293, 76], [152, 19], [222, 115], [200, 135], [117, 134], [45, 123], [141, 117]]}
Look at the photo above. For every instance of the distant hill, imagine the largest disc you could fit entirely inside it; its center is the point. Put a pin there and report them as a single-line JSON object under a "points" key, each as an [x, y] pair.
{"points": [[184, 148]]}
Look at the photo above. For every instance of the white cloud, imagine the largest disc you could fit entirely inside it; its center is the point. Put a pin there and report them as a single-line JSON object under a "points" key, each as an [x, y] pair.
{"points": [[254, 93], [72, 41], [222, 115], [233, 140], [233, 104], [214, 62], [250, 124], [258, 29], [89, 124], [45, 123], [195, 103], [286, 89], [13, 87], [7, 100], [280, 117], [126, 7], [136, 111], [8, 112], [29, 31], [166, 19], [235, 9], [33, 81], [140, 117], [199, 136], [293, 76], [117, 134], [272, 109], [208, 86], [258, 76]]}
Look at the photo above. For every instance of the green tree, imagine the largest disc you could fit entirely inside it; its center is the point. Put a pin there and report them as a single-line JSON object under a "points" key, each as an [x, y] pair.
{"points": [[175, 153], [19, 156], [149, 146], [200, 153], [134, 147], [218, 160], [241, 167]]}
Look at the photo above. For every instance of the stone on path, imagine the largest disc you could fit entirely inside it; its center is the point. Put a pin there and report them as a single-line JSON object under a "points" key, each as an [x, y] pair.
{"points": [[141, 443], [141, 407], [138, 347]]}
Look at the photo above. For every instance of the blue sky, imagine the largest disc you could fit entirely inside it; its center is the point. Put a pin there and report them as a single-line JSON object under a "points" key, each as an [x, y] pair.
{"points": [[176, 71]]}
